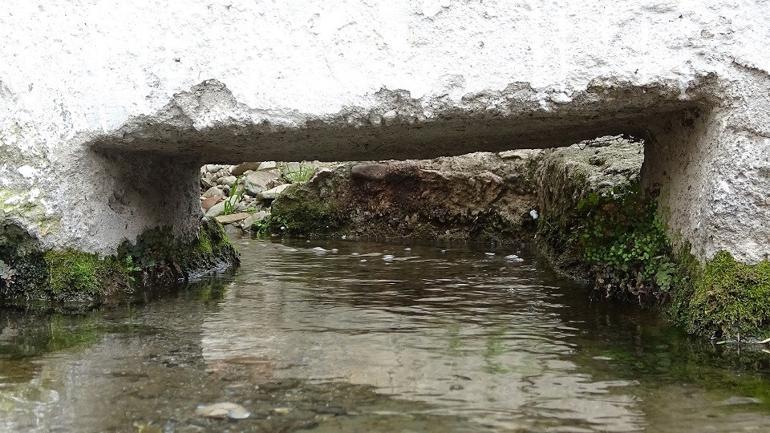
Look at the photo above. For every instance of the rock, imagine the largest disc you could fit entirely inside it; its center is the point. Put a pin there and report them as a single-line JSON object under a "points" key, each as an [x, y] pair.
{"points": [[514, 258], [227, 180], [207, 181], [370, 171], [214, 191], [216, 210], [213, 168], [256, 182], [275, 192], [267, 165], [208, 202], [233, 231], [243, 167], [292, 166], [222, 411], [232, 218]]}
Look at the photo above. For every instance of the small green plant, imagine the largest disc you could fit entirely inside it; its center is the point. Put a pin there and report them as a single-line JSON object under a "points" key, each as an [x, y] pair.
{"points": [[625, 243], [261, 227], [301, 174], [236, 194]]}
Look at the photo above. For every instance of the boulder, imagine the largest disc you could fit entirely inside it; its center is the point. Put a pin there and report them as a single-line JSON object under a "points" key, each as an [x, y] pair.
{"points": [[214, 191], [216, 210], [227, 180], [267, 165], [243, 167], [208, 202], [256, 182], [275, 192]]}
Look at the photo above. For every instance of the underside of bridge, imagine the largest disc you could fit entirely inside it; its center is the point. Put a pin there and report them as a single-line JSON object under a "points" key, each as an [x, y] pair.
{"points": [[207, 124]]}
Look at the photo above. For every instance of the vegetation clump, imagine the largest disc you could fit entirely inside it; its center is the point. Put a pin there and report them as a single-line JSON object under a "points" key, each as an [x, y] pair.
{"points": [[617, 240], [625, 245], [724, 298]]}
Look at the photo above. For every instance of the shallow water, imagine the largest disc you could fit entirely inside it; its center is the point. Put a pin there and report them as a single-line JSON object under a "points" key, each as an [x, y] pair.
{"points": [[353, 340]]}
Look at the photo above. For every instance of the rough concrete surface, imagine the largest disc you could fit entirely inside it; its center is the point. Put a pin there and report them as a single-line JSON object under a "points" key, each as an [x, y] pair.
{"points": [[97, 97]]}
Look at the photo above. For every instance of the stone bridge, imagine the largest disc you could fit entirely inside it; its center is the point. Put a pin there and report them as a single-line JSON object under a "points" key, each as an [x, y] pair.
{"points": [[108, 108]]}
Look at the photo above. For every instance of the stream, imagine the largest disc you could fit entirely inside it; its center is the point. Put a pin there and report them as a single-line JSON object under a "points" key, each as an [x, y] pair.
{"points": [[342, 336]]}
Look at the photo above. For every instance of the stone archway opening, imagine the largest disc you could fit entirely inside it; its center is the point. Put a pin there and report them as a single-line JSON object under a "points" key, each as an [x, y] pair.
{"points": [[208, 124]]}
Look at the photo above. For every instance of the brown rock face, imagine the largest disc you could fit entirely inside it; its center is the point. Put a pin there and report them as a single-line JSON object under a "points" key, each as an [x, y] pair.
{"points": [[478, 196], [207, 202], [370, 171]]}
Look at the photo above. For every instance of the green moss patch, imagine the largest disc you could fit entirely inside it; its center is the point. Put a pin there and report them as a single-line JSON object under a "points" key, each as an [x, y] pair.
{"points": [[77, 274], [73, 281], [296, 213], [724, 298]]}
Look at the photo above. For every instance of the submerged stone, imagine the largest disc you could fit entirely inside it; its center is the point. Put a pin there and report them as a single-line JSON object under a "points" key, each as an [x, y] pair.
{"points": [[223, 410]]}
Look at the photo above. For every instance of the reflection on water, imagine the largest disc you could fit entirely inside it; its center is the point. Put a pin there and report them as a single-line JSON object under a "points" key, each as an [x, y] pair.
{"points": [[374, 337]]}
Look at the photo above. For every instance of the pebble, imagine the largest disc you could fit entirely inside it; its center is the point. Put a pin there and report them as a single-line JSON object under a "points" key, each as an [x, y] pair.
{"points": [[222, 410], [490, 254], [319, 250], [387, 257]]}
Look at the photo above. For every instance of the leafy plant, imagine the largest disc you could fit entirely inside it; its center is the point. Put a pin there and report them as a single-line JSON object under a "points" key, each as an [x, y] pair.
{"points": [[625, 244]]}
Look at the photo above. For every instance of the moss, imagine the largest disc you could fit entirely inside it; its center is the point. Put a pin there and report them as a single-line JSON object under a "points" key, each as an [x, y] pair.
{"points": [[77, 274], [295, 214], [723, 298], [165, 259], [73, 271], [73, 281]]}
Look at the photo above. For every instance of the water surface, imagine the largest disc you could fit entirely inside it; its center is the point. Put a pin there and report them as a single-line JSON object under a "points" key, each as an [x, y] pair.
{"points": [[378, 338]]}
